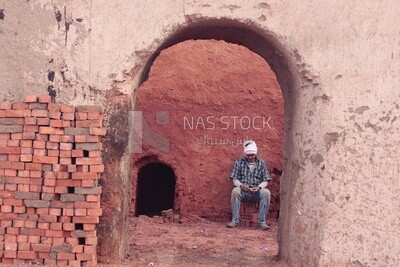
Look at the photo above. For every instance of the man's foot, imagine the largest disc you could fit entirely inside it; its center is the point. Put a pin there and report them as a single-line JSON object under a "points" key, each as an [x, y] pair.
{"points": [[231, 225], [263, 226]]}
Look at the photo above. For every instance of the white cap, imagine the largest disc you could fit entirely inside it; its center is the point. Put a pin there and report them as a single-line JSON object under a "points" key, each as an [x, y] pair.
{"points": [[250, 147]]}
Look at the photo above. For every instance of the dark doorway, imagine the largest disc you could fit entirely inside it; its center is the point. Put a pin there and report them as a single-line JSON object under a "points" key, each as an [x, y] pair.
{"points": [[155, 189]]}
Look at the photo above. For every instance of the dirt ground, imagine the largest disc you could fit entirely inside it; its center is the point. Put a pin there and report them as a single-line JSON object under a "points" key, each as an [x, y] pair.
{"points": [[200, 242]]}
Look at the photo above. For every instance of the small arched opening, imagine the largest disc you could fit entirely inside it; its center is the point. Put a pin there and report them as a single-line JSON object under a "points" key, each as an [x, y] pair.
{"points": [[155, 189]]}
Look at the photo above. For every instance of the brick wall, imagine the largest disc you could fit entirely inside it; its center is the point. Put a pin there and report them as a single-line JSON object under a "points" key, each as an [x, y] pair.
{"points": [[50, 165]]}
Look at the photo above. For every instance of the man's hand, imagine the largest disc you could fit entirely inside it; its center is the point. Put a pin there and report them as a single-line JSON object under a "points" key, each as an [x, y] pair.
{"points": [[255, 189], [245, 188]]}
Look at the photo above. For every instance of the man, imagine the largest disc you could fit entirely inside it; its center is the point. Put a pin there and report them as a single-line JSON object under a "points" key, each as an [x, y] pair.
{"points": [[250, 177]]}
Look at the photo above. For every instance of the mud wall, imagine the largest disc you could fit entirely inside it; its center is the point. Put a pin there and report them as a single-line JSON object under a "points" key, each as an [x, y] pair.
{"points": [[337, 64]]}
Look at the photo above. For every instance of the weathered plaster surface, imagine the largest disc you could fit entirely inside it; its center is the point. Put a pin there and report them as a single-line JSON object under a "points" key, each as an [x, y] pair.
{"points": [[341, 182]]}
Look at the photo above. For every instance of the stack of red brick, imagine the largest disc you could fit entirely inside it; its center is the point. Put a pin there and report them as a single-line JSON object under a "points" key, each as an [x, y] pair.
{"points": [[249, 214], [50, 165]]}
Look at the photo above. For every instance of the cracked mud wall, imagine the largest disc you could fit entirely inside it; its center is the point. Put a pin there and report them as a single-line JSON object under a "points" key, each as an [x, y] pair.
{"points": [[340, 186]]}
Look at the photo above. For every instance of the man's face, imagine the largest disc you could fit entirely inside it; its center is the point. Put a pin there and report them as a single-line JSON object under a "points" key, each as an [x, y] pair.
{"points": [[251, 157]]}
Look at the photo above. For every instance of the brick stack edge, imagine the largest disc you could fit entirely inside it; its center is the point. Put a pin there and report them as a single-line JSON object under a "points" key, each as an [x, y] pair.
{"points": [[50, 165]]}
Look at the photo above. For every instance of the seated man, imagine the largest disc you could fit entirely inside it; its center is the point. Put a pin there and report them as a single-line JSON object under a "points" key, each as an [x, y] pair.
{"points": [[250, 177]]}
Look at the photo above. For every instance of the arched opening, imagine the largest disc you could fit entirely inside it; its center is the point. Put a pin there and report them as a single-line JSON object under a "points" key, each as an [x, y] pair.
{"points": [[273, 52], [155, 189]]}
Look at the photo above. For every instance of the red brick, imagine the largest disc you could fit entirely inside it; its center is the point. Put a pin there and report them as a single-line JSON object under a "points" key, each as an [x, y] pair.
{"points": [[39, 113], [55, 211], [39, 152], [12, 254], [81, 115], [86, 219], [61, 190], [45, 159], [35, 181], [67, 138], [29, 135], [10, 150], [54, 115], [89, 108], [77, 249], [68, 116], [41, 247], [35, 188], [10, 173], [65, 219], [34, 239], [53, 153], [95, 116], [11, 143], [88, 183], [5, 105], [97, 168], [58, 241], [42, 211], [39, 144], [18, 224], [80, 212], [93, 198], [35, 174], [50, 130], [80, 138], [89, 123], [30, 98], [42, 137], [88, 161], [23, 188], [55, 138], [19, 210], [50, 182], [54, 233], [44, 99], [12, 202], [26, 255], [12, 121], [65, 153], [30, 121], [85, 175], [68, 226], [30, 224], [6, 209], [43, 121], [26, 157], [48, 189], [63, 175], [52, 145], [16, 136], [68, 211], [47, 218], [11, 187], [23, 247], [26, 150], [76, 153], [54, 107], [56, 226], [97, 131], [67, 108], [22, 238], [65, 146], [33, 232], [19, 113], [43, 225], [20, 105], [85, 257]]}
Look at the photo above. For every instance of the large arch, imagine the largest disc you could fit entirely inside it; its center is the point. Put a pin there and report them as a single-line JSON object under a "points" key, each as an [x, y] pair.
{"points": [[267, 45]]}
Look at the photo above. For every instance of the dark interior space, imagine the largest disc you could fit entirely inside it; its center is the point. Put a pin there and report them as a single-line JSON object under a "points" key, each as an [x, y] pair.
{"points": [[155, 189]]}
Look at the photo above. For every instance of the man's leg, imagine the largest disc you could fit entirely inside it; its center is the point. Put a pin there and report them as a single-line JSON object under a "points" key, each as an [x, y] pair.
{"points": [[265, 199], [236, 197]]}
